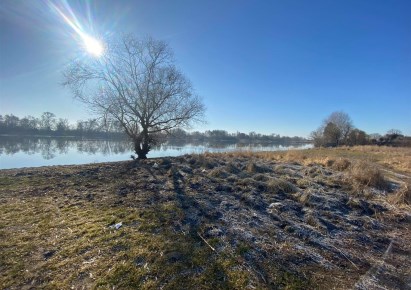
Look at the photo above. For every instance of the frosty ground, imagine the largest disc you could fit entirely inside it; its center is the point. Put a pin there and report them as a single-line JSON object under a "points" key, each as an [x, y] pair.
{"points": [[309, 219]]}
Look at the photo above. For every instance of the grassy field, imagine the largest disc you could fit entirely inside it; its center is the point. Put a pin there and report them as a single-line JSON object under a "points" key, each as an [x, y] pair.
{"points": [[311, 219]]}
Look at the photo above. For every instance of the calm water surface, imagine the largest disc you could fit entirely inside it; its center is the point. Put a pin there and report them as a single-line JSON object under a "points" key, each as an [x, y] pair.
{"points": [[17, 152]]}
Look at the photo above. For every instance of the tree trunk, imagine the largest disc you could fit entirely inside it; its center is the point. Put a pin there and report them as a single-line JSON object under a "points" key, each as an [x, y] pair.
{"points": [[142, 145]]}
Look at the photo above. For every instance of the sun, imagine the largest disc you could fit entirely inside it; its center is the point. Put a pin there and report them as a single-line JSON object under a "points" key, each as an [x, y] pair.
{"points": [[93, 46]]}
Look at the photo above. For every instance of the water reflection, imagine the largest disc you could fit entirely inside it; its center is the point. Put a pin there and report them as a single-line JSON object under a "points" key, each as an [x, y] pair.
{"points": [[38, 151], [51, 147]]}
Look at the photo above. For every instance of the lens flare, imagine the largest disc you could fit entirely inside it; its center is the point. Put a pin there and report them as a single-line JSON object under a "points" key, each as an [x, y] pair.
{"points": [[92, 45]]}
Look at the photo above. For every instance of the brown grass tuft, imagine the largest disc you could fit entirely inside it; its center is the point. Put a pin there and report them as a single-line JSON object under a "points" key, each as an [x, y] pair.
{"points": [[303, 182], [232, 168], [254, 168], [366, 174], [402, 196], [218, 173], [304, 198], [341, 164], [261, 177], [277, 184]]}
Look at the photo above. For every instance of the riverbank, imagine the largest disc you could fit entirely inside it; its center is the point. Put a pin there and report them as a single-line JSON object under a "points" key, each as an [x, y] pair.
{"points": [[304, 219]]}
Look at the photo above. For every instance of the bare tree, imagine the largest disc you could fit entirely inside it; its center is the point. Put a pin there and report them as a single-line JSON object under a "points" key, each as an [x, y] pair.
{"points": [[62, 125], [344, 124], [48, 121], [334, 130], [394, 132], [332, 135], [137, 84], [317, 137]]}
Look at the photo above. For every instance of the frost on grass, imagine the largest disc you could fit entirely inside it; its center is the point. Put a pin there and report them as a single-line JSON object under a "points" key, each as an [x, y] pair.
{"points": [[222, 221]]}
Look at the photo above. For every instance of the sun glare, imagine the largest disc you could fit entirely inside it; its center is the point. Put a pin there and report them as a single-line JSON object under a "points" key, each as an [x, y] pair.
{"points": [[93, 46]]}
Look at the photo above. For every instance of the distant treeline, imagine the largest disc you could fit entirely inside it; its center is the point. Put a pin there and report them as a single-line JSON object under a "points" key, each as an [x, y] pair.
{"points": [[226, 137], [49, 125], [338, 130]]}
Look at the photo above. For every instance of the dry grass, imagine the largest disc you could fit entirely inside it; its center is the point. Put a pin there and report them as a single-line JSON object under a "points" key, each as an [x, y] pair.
{"points": [[278, 184], [253, 168], [366, 174], [402, 195], [218, 173], [398, 159], [362, 167], [341, 164]]}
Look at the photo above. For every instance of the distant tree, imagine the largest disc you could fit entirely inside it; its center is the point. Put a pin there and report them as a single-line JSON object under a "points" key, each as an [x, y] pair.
{"points": [[242, 136], [111, 126], [33, 122], [11, 121], [80, 126], [24, 124], [334, 130], [62, 125], [374, 136], [91, 125], [344, 124], [317, 137], [48, 121], [136, 83], [178, 133], [357, 137], [332, 135], [394, 132]]}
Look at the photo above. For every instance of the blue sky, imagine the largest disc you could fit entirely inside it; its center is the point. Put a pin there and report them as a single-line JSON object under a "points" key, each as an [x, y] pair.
{"points": [[265, 66]]}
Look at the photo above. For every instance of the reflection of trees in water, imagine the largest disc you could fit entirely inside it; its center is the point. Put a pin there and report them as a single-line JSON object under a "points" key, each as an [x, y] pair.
{"points": [[106, 147], [48, 148], [224, 145], [51, 147], [62, 145]]}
